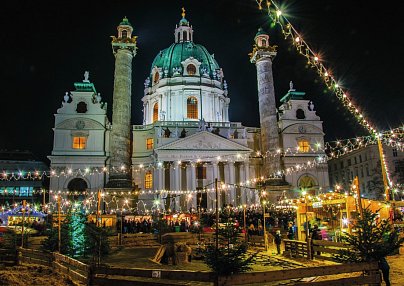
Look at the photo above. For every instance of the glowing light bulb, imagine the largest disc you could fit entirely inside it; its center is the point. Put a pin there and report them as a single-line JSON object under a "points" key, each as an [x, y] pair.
{"points": [[278, 13]]}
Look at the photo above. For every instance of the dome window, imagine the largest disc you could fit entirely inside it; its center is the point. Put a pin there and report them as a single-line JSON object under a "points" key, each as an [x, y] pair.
{"points": [[185, 36], [124, 34], [191, 69], [300, 114], [192, 108], [155, 112], [156, 77]]}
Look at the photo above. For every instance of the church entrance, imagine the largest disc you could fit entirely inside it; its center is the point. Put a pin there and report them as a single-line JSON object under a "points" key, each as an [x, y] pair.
{"points": [[76, 188]]}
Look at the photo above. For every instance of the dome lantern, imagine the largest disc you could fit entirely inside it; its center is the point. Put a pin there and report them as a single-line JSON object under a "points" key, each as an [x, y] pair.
{"points": [[183, 32]]}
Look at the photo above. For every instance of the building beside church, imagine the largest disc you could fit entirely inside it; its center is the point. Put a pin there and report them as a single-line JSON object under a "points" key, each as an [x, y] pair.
{"points": [[186, 139]]}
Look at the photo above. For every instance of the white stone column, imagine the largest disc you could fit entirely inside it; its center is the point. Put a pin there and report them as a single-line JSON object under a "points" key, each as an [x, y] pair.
{"points": [[161, 177], [177, 184], [232, 181], [248, 192], [243, 191]]}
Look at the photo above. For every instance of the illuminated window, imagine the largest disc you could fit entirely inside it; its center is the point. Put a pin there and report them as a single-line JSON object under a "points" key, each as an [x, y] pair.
{"points": [[155, 112], [304, 146], [148, 180], [79, 142], [156, 77], [191, 69], [149, 143], [192, 108]]}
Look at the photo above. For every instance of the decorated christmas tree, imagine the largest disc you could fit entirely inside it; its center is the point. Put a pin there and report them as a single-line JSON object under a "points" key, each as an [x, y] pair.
{"points": [[373, 240]]}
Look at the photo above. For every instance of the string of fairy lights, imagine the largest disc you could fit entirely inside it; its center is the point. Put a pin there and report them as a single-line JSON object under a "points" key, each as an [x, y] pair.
{"points": [[333, 149], [314, 60]]}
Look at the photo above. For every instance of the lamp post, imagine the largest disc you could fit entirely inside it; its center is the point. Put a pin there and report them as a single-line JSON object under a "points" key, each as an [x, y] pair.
{"points": [[245, 223], [59, 234]]}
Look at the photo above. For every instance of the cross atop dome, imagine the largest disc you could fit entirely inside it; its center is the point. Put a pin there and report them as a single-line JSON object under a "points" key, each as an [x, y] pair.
{"points": [[183, 31]]}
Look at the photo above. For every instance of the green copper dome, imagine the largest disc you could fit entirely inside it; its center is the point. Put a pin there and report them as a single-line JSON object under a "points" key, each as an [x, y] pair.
{"points": [[260, 32], [125, 21], [171, 58], [184, 22]]}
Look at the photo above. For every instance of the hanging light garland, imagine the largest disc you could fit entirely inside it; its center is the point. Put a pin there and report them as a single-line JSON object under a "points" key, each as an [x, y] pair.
{"points": [[314, 61]]}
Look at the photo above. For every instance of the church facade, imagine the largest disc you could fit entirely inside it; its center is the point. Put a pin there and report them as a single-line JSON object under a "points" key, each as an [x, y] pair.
{"points": [[186, 140]]}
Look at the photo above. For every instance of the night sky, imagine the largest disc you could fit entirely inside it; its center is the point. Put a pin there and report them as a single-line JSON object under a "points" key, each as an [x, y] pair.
{"points": [[47, 46]]}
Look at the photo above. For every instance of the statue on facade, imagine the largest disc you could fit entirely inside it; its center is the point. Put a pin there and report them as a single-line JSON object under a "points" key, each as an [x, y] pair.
{"points": [[66, 97], [216, 131], [167, 133], [235, 134], [159, 131], [86, 76], [202, 125], [147, 82], [311, 106], [175, 133], [183, 133], [291, 86]]}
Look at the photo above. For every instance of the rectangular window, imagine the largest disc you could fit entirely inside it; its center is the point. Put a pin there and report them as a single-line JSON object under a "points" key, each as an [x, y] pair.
{"points": [[360, 158], [149, 143], [304, 146], [79, 142], [397, 167], [349, 162], [335, 167], [367, 171], [201, 173], [342, 164], [395, 152], [361, 171], [148, 180], [356, 162]]}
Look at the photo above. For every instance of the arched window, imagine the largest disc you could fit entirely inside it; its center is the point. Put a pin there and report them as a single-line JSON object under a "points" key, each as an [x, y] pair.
{"points": [[185, 36], [155, 112], [307, 182], [263, 42], [300, 114], [192, 108], [148, 180], [124, 34], [77, 184], [191, 69], [304, 146], [156, 77]]}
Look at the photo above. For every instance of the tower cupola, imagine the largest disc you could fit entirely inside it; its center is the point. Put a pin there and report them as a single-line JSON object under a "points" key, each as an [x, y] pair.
{"points": [[125, 29], [261, 39], [183, 31]]}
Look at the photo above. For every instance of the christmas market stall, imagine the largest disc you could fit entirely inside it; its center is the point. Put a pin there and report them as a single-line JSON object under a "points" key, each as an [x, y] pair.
{"points": [[333, 213]]}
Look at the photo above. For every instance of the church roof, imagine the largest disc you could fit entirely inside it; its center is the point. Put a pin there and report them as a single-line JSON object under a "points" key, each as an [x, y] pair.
{"points": [[260, 32], [125, 21], [172, 57]]}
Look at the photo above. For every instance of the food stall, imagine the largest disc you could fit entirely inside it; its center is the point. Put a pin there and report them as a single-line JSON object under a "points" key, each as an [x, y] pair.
{"points": [[334, 213]]}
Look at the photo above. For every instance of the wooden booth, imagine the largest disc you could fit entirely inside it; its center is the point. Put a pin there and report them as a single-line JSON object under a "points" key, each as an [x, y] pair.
{"points": [[334, 213]]}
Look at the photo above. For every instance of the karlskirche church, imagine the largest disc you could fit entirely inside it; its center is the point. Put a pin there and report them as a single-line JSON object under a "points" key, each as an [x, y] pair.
{"points": [[186, 139]]}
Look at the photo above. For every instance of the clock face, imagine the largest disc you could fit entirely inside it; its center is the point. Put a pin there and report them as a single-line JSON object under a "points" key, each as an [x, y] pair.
{"points": [[80, 124], [302, 129]]}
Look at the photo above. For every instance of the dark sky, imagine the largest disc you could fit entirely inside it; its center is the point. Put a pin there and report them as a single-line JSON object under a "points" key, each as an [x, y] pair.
{"points": [[47, 46]]}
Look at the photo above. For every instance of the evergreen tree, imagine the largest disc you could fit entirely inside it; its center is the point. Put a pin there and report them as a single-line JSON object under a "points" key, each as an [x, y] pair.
{"points": [[372, 241], [51, 241], [231, 256], [97, 241], [77, 235]]}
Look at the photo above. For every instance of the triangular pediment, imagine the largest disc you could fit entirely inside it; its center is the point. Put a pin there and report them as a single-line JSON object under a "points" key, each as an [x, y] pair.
{"points": [[204, 141]]}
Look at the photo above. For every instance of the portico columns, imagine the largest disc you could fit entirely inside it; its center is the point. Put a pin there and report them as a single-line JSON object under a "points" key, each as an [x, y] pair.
{"points": [[232, 181]]}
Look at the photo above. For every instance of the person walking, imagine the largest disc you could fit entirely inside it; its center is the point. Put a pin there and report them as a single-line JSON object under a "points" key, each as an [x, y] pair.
{"points": [[278, 241], [291, 233], [385, 268]]}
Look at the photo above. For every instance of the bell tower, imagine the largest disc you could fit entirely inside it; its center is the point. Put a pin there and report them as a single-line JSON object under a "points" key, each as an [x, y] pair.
{"points": [[124, 49]]}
